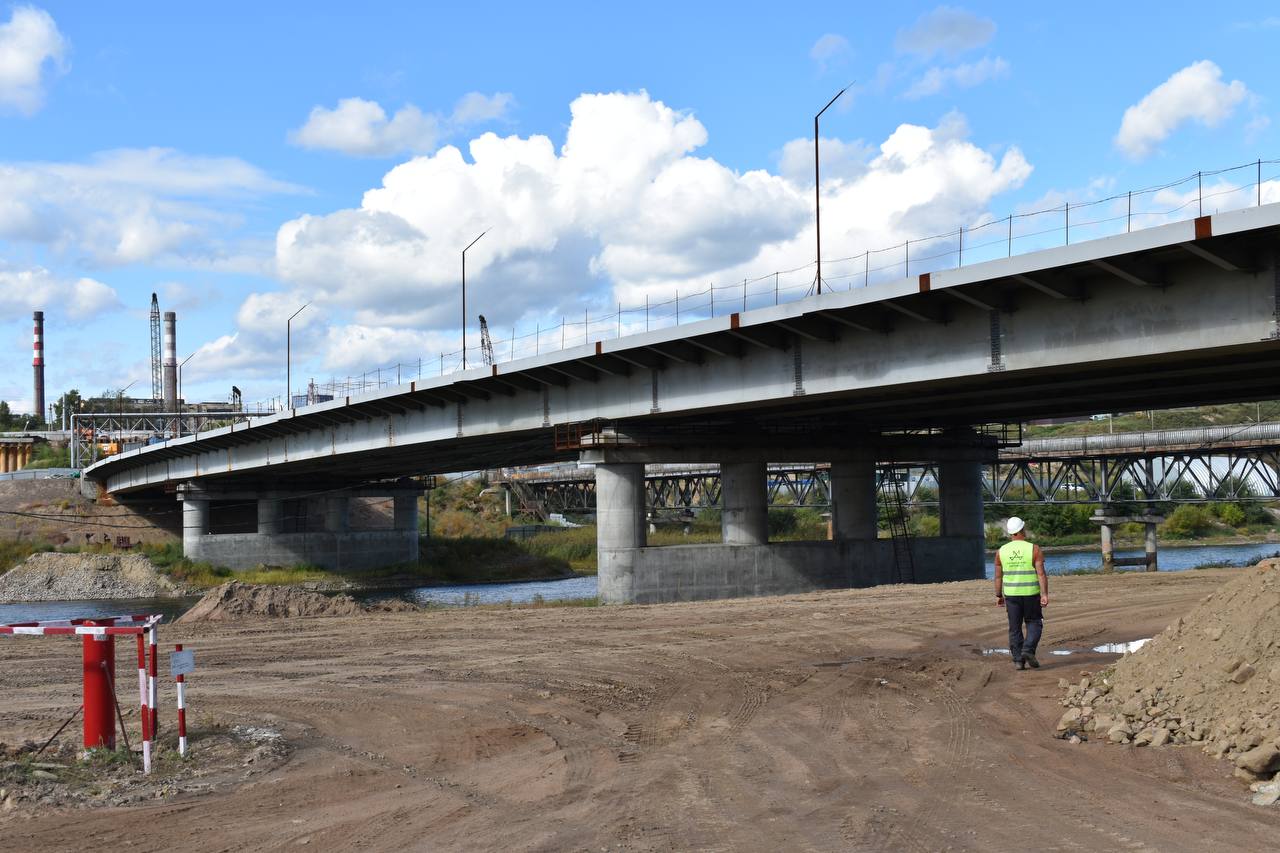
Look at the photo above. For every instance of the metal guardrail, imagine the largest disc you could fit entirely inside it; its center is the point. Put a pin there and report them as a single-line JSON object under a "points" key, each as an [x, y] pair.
{"points": [[40, 474]]}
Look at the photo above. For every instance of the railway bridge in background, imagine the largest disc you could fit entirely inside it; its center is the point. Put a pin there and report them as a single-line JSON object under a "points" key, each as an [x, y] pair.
{"points": [[1179, 314], [1194, 465]]}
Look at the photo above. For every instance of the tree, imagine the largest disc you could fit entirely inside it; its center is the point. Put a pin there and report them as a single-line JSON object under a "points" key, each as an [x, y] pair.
{"points": [[6, 417], [73, 403]]}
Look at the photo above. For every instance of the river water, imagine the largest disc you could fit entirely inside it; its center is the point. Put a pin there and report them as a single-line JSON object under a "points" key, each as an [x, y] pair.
{"points": [[1171, 559]]}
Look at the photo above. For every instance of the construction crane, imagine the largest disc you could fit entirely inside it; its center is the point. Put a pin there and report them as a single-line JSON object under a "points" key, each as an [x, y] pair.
{"points": [[486, 344], [157, 368]]}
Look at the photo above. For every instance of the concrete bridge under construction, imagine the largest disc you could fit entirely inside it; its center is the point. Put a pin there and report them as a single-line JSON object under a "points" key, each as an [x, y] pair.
{"points": [[1179, 314]]}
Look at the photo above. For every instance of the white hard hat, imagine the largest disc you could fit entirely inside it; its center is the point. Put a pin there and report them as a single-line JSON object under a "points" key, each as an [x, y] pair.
{"points": [[1014, 525]]}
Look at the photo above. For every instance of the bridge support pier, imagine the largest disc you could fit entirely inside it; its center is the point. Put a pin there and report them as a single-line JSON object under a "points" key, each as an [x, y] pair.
{"points": [[405, 512], [620, 529], [960, 498], [744, 501], [195, 525], [853, 499], [270, 517]]}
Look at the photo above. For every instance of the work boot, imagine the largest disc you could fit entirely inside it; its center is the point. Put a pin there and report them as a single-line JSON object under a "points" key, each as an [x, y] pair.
{"points": [[1031, 659], [1020, 664]]}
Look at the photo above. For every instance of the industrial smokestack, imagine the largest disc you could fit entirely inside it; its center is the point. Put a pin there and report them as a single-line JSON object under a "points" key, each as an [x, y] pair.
{"points": [[170, 362], [37, 362]]}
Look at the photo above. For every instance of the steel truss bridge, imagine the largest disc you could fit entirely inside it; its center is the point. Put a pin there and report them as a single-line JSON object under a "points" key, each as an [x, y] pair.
{"points": [[1236, 463]]}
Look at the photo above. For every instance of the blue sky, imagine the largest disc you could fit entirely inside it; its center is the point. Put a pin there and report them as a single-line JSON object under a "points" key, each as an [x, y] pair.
{"points": [[225, 157]]}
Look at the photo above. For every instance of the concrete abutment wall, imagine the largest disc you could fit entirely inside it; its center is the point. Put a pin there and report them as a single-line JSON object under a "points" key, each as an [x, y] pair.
{"points": [[319, 533]]}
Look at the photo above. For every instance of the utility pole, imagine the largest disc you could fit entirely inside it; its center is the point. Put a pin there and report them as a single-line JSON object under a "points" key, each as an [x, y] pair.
{"points": [[288, 357]]}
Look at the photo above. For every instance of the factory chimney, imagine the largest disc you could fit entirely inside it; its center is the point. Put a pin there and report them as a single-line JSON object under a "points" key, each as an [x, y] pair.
{"points": [[37, 362], [170, 362]]}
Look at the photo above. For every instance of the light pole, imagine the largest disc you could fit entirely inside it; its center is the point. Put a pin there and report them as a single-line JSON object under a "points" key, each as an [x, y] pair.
{"points": [[464, 297], [120, 400], [288, 357], [181, 399], [817, 186]]}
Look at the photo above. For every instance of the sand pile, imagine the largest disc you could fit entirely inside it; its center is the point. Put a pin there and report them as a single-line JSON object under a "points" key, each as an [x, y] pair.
{"points": [[67, 577], [1211, 678], [236, 600]]}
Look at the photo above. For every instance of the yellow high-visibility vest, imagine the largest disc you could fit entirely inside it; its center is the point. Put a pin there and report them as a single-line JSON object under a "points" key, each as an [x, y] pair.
{"points": [[1017, 563]]}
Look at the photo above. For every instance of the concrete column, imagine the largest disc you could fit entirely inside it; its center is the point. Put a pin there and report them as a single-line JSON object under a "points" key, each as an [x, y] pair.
{"points": [[405, 509], [960, 496], [1108, 550], [337, 514], [195, 524], [744, 501], [620, 528], [853, 499], [270, 517], [1151, 547], [4, 459]]}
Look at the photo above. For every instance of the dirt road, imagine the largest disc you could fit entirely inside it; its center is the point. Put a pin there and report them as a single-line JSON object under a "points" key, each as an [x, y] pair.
{"points": [[859, 720]]}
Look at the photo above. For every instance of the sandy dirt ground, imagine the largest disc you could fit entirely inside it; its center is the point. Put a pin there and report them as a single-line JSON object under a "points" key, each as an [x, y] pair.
{"points": [[858, 720]]}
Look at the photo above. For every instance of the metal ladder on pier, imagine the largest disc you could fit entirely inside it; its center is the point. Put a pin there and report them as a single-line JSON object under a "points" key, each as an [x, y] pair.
{"points": [[898, 517]]}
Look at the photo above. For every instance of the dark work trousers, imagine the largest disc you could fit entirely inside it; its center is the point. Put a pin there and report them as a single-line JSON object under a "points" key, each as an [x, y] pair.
{"points": [[1024, 608]]}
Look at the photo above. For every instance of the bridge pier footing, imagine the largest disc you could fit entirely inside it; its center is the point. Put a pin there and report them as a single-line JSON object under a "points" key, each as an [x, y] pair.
{"points": [[746, 563], [278, 540]]}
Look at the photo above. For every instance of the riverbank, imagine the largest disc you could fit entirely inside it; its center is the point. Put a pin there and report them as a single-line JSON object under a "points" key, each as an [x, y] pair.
{"points": [[859, 719]]}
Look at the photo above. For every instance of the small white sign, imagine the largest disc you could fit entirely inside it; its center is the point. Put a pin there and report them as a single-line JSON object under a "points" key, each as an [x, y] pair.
{"points": [[180, 663]]}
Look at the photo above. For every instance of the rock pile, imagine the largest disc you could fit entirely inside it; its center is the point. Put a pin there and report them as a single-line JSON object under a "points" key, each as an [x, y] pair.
{"points": [[1212, 678], [53, 576], [236, 600]]}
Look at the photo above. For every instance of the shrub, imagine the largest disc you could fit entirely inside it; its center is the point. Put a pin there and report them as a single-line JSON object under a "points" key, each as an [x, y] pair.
{"points": [[1187, 521]]}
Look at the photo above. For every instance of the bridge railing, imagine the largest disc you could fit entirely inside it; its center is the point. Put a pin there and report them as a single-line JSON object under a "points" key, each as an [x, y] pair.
{"points": [[984, 239]]}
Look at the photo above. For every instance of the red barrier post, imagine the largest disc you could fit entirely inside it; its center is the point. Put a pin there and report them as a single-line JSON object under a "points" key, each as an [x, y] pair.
{"points": [[99, 656], [182, 709], [144, 712]]}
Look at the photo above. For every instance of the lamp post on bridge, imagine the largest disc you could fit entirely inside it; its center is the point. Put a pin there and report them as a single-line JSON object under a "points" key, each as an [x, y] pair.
{"points": [[181, 399], [288, 357], [464, 297], [817, 188]]}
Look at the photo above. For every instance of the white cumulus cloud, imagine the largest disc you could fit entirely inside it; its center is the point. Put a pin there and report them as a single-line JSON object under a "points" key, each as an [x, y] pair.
{"points": [[963, 76], [1195, 93], [129, 205], [946, 31], [625, 209], [361, 128], [31, 51], [37, 289]]}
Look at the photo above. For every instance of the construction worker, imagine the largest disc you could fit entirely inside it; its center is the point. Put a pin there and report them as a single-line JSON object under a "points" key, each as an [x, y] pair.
{"points": [[1023, 589]]}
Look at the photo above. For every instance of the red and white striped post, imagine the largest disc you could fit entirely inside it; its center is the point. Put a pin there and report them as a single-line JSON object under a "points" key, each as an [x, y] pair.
{"points": [[182, 709], [152, 672], [143, 710]]}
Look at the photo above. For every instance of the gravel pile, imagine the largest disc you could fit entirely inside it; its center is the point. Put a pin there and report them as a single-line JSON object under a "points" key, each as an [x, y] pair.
{"points": [[69, 577], [236, 600], [1212, 678]]}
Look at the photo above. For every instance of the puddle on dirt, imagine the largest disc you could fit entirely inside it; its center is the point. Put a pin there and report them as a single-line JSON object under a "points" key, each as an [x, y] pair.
{"points": [[1105, 648], [1121, 648]]}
